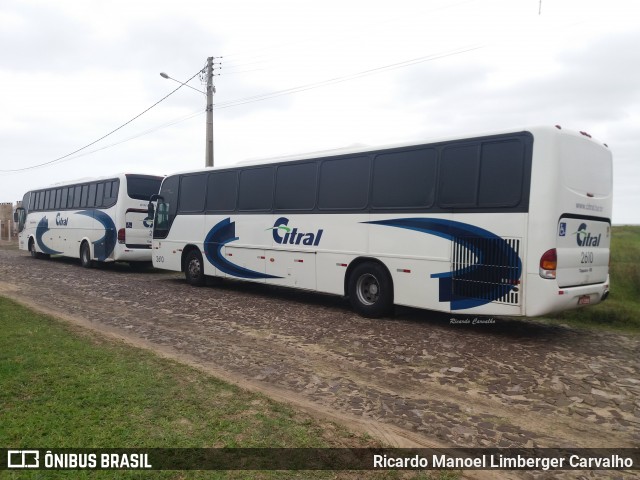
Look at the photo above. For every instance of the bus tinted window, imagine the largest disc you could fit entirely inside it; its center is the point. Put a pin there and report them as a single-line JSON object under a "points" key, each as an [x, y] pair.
{"points": [[141, 188], [192, 193], [459, 167], [76, 196], [85, 195], [404, 179], [296, 186], [344, 183], [100, 194], [111, 192], [222, 191], [256, 189], [501, 172], [56, 205], [91, 201], [63, 198]]}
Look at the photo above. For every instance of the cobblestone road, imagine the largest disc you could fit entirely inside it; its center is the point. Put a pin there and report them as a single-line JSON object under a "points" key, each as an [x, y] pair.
{"points": [[415, 379]]}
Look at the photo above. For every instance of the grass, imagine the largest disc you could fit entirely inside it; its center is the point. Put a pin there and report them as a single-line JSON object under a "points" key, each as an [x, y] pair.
{"points": [[63, 387], [621, 311]]}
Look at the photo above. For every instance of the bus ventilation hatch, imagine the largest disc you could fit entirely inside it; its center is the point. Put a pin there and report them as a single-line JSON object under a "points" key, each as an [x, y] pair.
{"points": [[486, 269]]}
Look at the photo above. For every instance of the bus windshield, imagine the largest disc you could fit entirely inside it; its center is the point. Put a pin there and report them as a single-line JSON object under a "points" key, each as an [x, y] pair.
{"points": [[142, 187]]}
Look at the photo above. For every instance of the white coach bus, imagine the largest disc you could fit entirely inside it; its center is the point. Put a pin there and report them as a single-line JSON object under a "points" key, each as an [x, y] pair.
{"points": [[512, 223], [101, 219]]}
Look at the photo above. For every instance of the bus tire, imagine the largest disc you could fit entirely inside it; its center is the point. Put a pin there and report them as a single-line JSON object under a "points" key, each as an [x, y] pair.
{"points": [[194, 269], [85, 255], [32, 249], [371, 290]]}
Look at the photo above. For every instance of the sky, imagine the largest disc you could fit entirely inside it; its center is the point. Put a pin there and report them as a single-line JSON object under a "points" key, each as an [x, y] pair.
{"points": [[298, 77]]}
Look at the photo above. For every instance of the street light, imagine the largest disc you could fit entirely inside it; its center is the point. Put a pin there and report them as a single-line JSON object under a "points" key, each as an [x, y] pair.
{"points": [[164, 75], [211, 89]]}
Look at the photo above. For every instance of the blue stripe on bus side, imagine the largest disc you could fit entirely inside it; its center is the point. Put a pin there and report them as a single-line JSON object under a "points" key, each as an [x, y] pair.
{"points": [[496, 252], [104, 246], [41, 229], [222, 233]]}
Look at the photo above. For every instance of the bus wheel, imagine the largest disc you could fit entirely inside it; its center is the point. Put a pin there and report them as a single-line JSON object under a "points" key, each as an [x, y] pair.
{"points": [[85, 255], [32, 249], [371, 290], [193, 269]]}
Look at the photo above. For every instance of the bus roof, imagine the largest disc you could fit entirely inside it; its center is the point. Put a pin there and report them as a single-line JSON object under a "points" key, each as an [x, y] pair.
{"points": [[361, 148], [95, 179]]}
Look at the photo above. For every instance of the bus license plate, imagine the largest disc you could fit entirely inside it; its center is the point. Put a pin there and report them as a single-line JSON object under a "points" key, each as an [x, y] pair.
{"points": [[584, 300]]}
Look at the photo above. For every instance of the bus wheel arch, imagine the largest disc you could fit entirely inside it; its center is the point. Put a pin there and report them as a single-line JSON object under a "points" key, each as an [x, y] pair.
{"points": [[369, 286], [85, 254], [193, 266]]}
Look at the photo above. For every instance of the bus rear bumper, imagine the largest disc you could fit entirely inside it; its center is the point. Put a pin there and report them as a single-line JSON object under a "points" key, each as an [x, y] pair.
{"points": [[548, 297], [125, 254]]}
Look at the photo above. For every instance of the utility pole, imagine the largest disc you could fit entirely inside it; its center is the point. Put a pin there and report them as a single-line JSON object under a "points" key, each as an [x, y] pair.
{"points": [[210, 91]]}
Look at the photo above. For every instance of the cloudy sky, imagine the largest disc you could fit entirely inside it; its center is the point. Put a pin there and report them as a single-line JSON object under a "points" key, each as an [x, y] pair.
{"points": [[302, 76]]}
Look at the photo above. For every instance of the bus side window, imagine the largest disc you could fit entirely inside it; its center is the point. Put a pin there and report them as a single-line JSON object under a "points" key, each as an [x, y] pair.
{"points": [[57, 200], [100, 194], [459, 171], [222, 191], [76, 196], [404, 179], [63, 198], [91, 201], [344, 183], [501, 174], [255, 192], [192, 193]]}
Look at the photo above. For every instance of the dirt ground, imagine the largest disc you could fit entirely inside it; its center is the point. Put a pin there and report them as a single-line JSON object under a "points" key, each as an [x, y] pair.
{"points": [[417, 379]]}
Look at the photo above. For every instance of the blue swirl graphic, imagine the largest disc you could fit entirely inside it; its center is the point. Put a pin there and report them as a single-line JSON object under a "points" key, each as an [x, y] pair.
{"points": [[103, 247], [222, 233], [488, 248], [41, 229]]}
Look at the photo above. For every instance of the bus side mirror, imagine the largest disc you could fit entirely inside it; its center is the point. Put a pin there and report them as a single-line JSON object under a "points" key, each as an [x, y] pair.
{"points": [[150, 209], [20, 217]]}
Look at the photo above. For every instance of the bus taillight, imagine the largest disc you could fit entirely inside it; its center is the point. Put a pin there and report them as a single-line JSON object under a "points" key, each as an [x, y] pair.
{"points": [[121, 236], [549, 264]]}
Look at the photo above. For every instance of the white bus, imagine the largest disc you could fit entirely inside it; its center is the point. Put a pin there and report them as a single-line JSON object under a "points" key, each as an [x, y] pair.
{"points": [[100, 219], [511, 223]]}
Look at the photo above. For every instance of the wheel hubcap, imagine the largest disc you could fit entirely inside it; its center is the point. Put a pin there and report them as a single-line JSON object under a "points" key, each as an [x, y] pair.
{"points": [[194, 268], [368, 289]]}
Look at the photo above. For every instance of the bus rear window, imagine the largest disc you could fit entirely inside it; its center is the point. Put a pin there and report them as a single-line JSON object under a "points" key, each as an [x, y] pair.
{"points": [[142, 187]]}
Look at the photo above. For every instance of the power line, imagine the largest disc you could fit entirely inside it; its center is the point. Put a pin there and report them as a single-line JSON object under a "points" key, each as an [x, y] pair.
{"points": [[323, 83], [138, 135], [104, 136], [242, 101]]}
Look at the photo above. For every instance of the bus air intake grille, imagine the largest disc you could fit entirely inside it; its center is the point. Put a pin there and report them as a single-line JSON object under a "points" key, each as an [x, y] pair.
{"points": [[486, 269]]}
